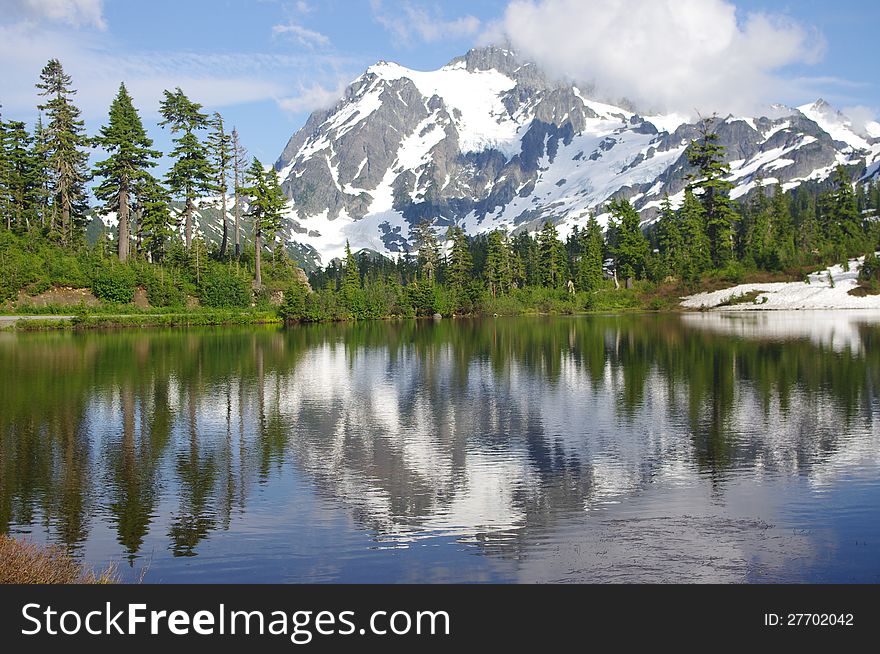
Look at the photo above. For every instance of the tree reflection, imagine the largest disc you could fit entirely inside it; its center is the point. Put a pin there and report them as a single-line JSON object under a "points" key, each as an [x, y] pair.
{"points": [[458, 425]]}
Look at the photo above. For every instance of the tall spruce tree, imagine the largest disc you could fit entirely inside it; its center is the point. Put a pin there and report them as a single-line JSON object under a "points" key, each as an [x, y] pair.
{"points": [[22, 186], [66, 144], [552, 257], [5, 202], [239, 164], [707, 156], [352, 293], [125, 140], [756, 233], [629, 247], [266, 210], [220, 147], [460, 269], [670, 241], [428, 259], [192, 173], [499, 269], [155, 223], [42, 172], [784, 252], [841, 222], [697, 253], [589, 268]]}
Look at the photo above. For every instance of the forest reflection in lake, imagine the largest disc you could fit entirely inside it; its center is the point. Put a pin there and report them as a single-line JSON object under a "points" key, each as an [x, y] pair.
{"points": [[698, 447]]}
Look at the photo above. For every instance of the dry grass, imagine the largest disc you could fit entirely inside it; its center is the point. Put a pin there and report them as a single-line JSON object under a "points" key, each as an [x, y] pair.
{"points": [[22, 562]]}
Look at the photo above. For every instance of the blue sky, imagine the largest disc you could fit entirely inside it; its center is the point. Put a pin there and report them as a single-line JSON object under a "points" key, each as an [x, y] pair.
{"points": [[265, 64]]}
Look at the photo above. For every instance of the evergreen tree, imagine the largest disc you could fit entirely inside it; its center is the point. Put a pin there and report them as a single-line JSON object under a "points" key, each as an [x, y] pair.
{"points": [[525, 251], [42, 172], [425, 242], [239, 163], [125, 140], [5, 201], [22, 188], [757, 232], [553, 261], [460, 269], [192, 173], [697, 252], [840, 219], [783, 248], [66, 144], [630, 247], [220, 146], [670, 240], [589, 269], [155, 224], [707, 156], [351, 282], [266, 210], [499, 271], [352, 293]]}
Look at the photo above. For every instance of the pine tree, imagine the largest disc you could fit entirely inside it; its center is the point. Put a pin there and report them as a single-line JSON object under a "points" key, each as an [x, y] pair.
{"points": [[499, 270], [697, 252], [21, 179], [553, 262], [425, 242], [630, 247], [669, 238], [707, 156], [125, 140], [220, 147], [757, 231], [192, 172], [42, 172], [783, 252], [155, 220], [5, 201], [66, 144], [460, 270], [352, 294], [840, 219], [266, 210], [589, 269], [239, 163]]}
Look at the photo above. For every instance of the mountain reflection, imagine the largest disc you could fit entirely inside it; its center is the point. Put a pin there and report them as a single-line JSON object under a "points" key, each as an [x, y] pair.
{"points": [[492, 432]]}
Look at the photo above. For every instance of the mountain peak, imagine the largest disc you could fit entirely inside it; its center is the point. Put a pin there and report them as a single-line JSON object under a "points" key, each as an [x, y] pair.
{"points": [[489, 142]]}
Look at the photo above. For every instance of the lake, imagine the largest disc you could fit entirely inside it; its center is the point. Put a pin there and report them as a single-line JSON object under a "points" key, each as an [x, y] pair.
{"points": [[636, 448]]}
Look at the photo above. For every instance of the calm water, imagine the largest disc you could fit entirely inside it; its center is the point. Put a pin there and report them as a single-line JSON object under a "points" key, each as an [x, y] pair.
{"points": [[638, 448]]}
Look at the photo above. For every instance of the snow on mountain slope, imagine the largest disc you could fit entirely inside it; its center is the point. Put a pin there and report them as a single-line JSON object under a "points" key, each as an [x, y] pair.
{"points": [[488, 141], [838, 126]]}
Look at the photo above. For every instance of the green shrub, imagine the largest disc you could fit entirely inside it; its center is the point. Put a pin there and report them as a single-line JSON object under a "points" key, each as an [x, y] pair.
{"points": [[870, 271], [294, 305], [224, 288], [115, 283]]}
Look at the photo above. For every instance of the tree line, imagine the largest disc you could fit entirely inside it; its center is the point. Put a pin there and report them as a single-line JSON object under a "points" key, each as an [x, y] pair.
{"points": [[44, 202], [707, 235], [44, 175]]}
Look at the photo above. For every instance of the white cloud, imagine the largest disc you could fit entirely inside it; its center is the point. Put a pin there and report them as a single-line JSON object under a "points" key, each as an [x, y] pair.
{"points": [[304, 36], [662, 54], [863, 120], [312, 98], [78, 13], [97, 66], [408, 22]]}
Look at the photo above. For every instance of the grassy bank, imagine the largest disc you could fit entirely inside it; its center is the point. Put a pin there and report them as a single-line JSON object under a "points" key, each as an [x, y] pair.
{"points": [[197, 318], [22, 562]]}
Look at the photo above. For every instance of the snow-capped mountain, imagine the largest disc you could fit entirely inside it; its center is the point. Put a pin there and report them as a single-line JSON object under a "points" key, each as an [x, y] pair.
{"points": [[489, 141]]}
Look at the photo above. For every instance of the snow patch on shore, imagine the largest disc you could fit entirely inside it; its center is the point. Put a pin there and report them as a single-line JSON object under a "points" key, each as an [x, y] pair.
{"points": [[828, 289]]}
